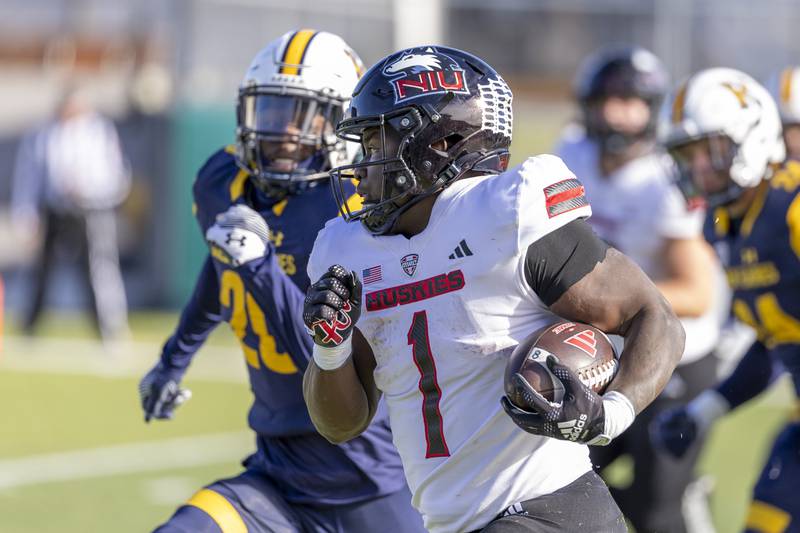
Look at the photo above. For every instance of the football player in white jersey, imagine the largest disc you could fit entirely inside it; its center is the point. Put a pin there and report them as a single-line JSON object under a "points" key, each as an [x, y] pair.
{"points": [[456, 260], [784, 86], [637, 207]]}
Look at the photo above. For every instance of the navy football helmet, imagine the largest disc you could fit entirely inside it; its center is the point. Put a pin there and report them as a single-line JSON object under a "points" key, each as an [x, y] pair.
{"points": [[626, 71], [421, 96]]}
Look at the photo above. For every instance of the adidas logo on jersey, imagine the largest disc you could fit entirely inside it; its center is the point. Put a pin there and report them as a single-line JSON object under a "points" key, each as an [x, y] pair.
{"points": [[461, 250]]}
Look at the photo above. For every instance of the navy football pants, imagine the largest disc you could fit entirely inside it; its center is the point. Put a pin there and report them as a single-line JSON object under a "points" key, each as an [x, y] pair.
{"points": [[776, 497], [250, 503]]}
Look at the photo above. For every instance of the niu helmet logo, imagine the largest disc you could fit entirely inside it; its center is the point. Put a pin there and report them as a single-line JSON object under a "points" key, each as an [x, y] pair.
{"points": [[331, 329], [424, 71], [230, 238], [584, 341]]}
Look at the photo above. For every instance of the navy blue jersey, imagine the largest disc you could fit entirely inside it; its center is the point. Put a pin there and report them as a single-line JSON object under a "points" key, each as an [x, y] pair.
{"points": [[262, 302], [761, 255]]}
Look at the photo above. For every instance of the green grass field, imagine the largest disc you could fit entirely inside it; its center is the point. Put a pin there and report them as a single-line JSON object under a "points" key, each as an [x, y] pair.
{"points": [[76, 456], [75, 453]]}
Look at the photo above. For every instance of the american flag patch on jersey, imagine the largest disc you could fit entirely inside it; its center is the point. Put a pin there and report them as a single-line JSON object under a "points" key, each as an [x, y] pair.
{"points": [[564, 196], [371, 274]]}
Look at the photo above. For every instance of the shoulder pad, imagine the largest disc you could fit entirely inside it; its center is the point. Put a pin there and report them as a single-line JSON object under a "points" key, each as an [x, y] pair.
{"points": [[219, 182], [548, 196], [786, 177]]}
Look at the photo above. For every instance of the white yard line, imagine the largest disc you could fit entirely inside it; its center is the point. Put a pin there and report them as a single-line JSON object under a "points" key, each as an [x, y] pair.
{"points": [[129, 359], [123, 459]]}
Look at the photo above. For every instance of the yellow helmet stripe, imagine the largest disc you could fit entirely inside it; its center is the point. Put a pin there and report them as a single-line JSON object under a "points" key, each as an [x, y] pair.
{"points": [[296, 51], [678, 103], [786, 84], [220, 510], [359, 66], [236, 188]]}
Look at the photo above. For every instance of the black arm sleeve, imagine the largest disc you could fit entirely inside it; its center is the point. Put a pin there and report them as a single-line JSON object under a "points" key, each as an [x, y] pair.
{"points": [[560, 259]]}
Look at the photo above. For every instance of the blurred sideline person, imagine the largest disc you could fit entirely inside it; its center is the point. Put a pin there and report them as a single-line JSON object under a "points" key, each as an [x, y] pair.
{"points": [[260, 205], [458, 259], [69, 177], [784, 86], [724, 132], [638, 209]]}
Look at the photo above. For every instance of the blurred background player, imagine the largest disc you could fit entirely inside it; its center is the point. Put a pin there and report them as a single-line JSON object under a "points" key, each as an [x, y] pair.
{"points": [[784, 86], [638, 209], [260, 206], [69, 177], [724, 132]]}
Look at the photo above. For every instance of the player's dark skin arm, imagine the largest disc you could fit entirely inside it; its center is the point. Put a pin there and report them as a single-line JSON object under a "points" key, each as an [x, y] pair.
{"points": [[617, 297], [342, 402]]}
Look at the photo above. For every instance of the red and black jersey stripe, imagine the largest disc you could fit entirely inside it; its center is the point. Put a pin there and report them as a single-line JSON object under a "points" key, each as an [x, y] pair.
{"points": [[564, 196]]}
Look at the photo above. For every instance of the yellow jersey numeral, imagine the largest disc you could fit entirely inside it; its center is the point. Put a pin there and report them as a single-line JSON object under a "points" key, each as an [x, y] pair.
{"points": [[246, 311], [773, 325]]}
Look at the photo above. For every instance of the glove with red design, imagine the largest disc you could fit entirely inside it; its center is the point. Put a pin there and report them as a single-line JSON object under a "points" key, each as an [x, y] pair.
{"points": [[330, 311]]}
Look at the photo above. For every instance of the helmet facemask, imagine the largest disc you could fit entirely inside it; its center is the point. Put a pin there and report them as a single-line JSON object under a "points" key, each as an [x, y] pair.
{"points": [[613, 139], [624, 73], [286, 135], [423, 163], [716, 187]]}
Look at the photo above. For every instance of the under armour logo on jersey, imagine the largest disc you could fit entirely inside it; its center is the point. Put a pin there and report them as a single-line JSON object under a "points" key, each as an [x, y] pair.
{"points": [[230, 238], [461, 250]]}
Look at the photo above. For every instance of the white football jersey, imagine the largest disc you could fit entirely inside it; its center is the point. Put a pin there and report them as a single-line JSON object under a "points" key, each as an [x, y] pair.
{"points": [[443, 311], [637, 210]]}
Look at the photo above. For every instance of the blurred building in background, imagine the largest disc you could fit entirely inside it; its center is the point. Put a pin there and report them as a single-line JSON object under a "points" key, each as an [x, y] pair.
{"points": [[167, 72]]}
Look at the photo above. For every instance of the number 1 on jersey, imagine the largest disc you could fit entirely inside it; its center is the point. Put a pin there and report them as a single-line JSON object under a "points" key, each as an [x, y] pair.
{"points": [[418, 339]]}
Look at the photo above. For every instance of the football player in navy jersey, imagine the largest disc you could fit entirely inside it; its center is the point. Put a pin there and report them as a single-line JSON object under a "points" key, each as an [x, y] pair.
{"points": [[259, 205], [784, 86], [724, 131]]}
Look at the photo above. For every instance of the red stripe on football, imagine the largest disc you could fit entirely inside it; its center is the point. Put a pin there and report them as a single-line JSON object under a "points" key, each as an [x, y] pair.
{"points": [[582, 348]]}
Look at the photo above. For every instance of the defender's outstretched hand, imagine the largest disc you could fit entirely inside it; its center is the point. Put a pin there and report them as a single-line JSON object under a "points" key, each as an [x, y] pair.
{"points": [[161, 394], [240, 234], [677, 429]]}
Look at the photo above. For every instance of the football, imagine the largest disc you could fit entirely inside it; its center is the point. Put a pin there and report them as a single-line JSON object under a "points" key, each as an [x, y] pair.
{"points": [[582, 348]]}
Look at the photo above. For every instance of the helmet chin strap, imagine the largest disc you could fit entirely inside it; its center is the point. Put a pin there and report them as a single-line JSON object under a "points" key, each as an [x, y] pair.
{"points": [[457, 169]]}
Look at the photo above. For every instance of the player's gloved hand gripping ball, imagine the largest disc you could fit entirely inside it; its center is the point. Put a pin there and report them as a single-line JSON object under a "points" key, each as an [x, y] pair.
{"points": [[554, 381], [331, 310]]}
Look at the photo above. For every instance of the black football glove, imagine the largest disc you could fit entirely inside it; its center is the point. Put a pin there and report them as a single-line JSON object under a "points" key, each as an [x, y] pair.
{"points": [[580, 417], [674, 430], [333, 306], [160, 392]]}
